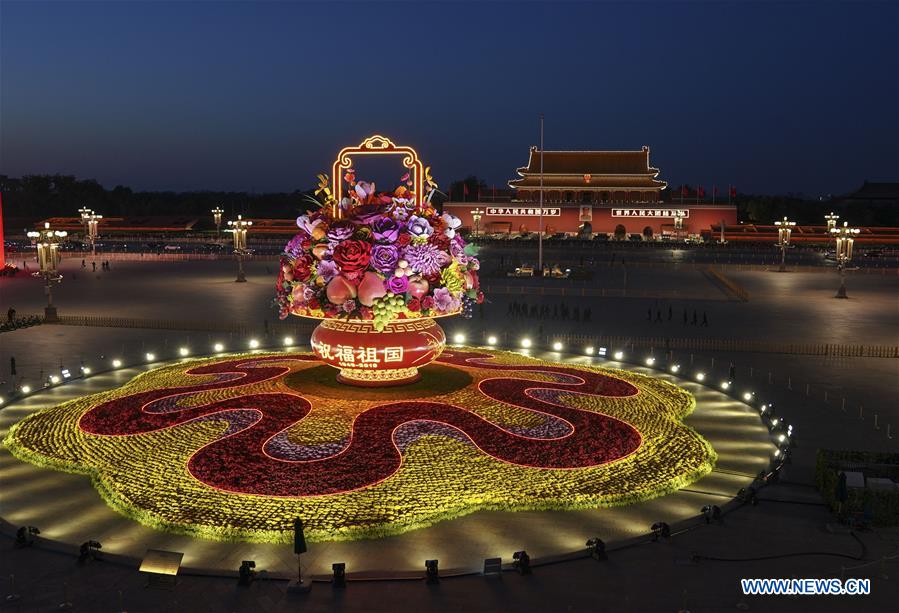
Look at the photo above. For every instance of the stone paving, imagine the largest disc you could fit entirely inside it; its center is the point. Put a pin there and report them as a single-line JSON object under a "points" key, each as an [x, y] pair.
{"points": [[651, 577]]}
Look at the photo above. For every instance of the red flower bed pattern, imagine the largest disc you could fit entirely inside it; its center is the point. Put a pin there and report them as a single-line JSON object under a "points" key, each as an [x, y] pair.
{"points": [[237, 462]]}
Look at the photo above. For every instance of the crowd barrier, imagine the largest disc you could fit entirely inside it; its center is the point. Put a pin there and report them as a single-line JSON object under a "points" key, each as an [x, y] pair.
{"points": [[738, 345], [303, 326]]}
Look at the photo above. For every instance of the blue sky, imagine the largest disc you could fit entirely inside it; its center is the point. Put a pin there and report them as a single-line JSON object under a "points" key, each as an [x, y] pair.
{"points": [[772, 97]]}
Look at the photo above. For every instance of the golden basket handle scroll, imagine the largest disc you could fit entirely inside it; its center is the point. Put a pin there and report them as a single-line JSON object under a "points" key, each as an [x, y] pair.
{"points": [[376, 145]]}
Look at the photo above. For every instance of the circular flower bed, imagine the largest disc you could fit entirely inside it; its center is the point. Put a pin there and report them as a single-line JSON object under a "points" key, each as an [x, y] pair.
{"points": [[237, 447]]}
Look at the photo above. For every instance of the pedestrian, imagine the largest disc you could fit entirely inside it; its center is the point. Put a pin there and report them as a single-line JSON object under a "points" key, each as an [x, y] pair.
{"points": [[705, 319], [649, 314], [10, 315], [732, 373], [685, 317], [695, 320], [93, 267], [670, 313], [12, 366], [83, 264], [577, 314], [659, 315]]}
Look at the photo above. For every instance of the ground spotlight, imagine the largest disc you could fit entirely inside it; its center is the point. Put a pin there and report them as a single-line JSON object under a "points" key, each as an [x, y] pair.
{"points": [[781, 438], [116, 363], [458, 338], [1, 399], [54, 379], [339, 579], [747, 396], [288, 341], [725, 385], [89, 550], [25, 536], [521, 562], [254, 343], [150, 357], [763, 408], [25, 389], [183, 351], [597, 548], [557, 346], [218, 347], [700, 376], [431, 574], [618, 355], [710, 512], [245, 573], [491, 340], [525, 342], [86, 370], [774, 422], [660, 530], [650, 361], [675, 367], [589, 350]]}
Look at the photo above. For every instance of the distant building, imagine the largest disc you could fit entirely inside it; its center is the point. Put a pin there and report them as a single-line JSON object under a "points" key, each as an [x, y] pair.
{"points": [[872, 194], [589, 177], [614, 192]]}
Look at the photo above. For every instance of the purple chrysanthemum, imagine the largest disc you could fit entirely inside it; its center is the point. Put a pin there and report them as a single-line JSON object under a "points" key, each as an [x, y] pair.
{"points": [[425, 259]]}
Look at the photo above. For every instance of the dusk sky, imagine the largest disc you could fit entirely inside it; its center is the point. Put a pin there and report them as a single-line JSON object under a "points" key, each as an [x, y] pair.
{"points": [[771, 97]]}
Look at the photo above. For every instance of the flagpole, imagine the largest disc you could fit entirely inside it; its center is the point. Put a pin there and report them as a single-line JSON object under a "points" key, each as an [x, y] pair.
{"points": [[540, 235]]}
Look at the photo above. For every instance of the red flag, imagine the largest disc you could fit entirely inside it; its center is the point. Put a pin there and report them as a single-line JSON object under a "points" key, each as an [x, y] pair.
{"points": [[733, 191], [701, 192], [465, 189], [683, 190]]}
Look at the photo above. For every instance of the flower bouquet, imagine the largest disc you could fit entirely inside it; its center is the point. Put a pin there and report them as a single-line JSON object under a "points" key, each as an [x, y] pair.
{"points": [[372, 261]]}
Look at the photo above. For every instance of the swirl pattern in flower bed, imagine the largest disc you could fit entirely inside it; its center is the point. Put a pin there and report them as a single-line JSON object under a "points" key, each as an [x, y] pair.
{"points": [[237, 447]]}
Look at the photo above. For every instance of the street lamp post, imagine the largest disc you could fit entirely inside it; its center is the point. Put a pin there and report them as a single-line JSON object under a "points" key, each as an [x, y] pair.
{"points": [[476, 217], [93, 221], [784, 229], [844, 253], [47, 243], [831, 221], [239, 230], [217, 216]]}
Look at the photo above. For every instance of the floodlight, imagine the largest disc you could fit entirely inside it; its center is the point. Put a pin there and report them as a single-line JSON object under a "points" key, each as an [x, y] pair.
{"points": [[521, 561]]}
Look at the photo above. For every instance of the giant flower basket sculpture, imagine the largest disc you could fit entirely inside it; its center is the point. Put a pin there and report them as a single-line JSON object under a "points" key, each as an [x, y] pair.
{"points": [[377, 268]]}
